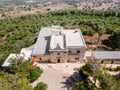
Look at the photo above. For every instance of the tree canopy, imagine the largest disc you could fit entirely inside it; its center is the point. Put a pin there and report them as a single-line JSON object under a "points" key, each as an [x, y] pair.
{"points": [[34, 73], [41, 86], [107, 82], [115, 38], [20, 32], [19, 75]]}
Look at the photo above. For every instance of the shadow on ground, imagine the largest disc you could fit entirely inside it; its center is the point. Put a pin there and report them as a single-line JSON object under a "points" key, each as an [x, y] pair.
{"points": [[75, 77]]}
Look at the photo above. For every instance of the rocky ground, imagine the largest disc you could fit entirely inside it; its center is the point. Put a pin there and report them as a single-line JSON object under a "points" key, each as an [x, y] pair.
{"points": [[98, 4], [13, 10]]}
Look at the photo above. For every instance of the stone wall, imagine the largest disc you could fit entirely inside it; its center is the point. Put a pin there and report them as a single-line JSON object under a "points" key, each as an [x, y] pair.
{"points": [[60, 57], [103, 61], [109, 61], [43, 58]]}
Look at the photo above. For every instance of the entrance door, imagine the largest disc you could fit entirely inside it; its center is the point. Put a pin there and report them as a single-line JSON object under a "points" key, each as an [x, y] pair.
{"points": [[58, 60], [102, 62]]}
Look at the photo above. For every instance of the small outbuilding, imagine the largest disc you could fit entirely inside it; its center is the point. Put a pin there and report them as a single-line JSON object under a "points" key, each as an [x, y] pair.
{"points": [[106, 57], [25, 53]]}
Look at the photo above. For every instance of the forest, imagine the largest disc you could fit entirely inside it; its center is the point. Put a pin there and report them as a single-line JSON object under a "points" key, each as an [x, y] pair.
{"points": [[19, 74], [21, 32]]}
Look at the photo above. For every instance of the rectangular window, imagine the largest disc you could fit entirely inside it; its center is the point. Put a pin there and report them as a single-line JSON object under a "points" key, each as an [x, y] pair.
{"points": [[77, 58], [78, 51], [40, 59], [64, 52], [69, 51], [58, 53]]}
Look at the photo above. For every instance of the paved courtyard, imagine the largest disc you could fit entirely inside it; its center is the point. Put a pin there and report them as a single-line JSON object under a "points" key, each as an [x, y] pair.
{"points": [[58, 76]]}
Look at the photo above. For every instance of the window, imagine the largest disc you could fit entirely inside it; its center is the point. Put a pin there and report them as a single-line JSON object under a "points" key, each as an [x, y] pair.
{"points": [[77, 58], [102, 61], [68, 60], [40, 59], [112, 62], [58, 53], [64, 52], [69, 51], [78, 51]]}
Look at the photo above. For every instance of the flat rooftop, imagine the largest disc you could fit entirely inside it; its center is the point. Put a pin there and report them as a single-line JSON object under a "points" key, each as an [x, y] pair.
{"points": [[74, 38], [53, 37], [57, 41], [106, 54]]}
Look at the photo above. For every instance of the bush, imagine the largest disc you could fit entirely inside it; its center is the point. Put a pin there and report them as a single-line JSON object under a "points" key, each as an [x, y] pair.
{"points": [[88, 32], [118, 68], [41, 86], [112, 69], [79, 86], [85, 71], [115, 39], [3, 33], [34, 73]]}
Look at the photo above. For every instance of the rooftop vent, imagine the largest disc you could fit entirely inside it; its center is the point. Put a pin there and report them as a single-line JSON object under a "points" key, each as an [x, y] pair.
{"points": [[75, 31]]}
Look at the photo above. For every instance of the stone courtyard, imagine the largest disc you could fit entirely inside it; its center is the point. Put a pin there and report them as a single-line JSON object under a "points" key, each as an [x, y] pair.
{"points": [[59, 76]]}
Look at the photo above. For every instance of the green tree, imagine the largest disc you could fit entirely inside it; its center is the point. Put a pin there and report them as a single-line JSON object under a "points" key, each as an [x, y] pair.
{"points": [[115, 38], [41, 86], [105, 83], [100, 30], [79, 86], [87, 69], [14, 82], [20, 65], [35, 72]]}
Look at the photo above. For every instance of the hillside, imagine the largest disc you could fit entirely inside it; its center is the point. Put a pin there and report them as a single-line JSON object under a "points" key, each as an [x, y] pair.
{"points": [[20, 32], [15, 8], [89, 4]]}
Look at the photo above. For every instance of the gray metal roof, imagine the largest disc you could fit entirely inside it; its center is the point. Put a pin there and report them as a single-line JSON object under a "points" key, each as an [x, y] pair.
{"points": [[43, 41], [25, 53], [11, 56], [6, 63], [106, 54]]}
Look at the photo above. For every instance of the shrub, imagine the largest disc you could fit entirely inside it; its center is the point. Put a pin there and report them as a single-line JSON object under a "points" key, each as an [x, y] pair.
{"points": [[112, 69], [3, 33], [118, 68], [79, 86], [41, 86], [34, 73], [88, 32], [85, 71]]}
